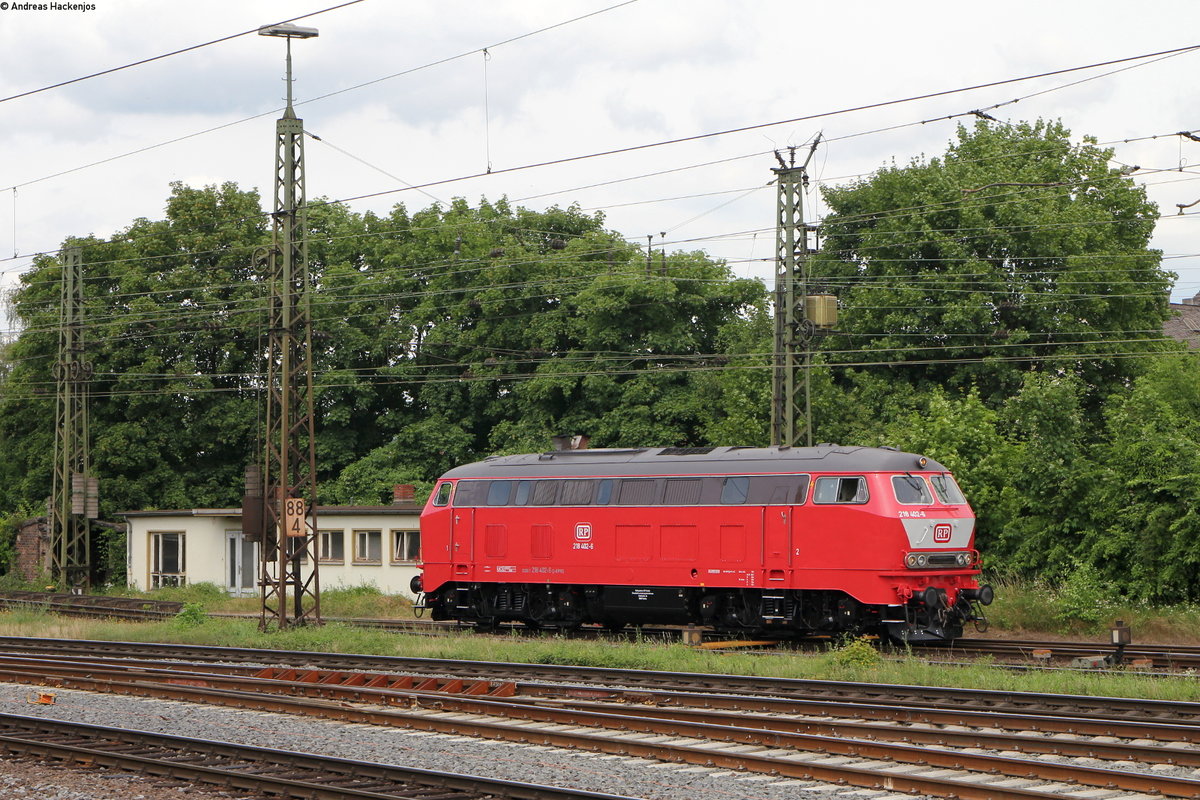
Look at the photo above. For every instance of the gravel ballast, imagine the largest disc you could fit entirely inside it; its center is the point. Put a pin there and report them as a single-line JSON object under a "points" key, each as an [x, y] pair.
{"points": [[633, 777]]}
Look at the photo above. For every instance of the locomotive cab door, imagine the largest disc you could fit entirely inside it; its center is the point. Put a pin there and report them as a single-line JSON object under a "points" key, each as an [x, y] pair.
{"points": [[462, 536], [777, 545]]}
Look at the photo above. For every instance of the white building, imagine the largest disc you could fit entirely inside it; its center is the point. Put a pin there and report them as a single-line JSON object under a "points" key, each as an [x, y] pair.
{"points": [[358, 545]]}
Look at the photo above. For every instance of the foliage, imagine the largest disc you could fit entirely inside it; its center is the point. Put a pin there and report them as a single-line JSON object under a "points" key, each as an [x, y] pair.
{"points": [[442, 336], [1016, 251], [1085, 599], [191, 615], [1144, 532], [10, 524], [858, 652]]}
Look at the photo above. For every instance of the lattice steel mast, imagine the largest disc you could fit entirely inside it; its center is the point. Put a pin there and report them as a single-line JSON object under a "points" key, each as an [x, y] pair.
{"points": [[73, 496], [289, 553], [790, 411]]}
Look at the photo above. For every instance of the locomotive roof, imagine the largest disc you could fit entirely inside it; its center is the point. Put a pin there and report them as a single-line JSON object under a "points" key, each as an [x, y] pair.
{"points": [[695, 461]]}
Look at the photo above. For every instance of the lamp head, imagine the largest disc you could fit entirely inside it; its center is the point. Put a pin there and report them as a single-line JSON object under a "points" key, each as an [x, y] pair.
{"points": [[288, 31]]}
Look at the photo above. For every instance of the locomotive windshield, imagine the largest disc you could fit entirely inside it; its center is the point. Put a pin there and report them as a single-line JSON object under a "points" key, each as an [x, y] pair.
{"points": [[947, 490], [911, 490]]}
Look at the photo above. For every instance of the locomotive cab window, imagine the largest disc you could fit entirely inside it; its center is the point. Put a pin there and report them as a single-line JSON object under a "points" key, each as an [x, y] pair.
{"points": [[947, 490], [911, 490], [830, 490], [734, 490], [443, 494]]}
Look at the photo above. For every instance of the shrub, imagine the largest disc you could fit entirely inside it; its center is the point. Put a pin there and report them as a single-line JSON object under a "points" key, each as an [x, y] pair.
{"points": [[191, 616], [856, 653], [1085, 598]]}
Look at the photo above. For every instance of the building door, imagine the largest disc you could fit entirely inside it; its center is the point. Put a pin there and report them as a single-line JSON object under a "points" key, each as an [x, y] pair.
{"points": [[241, 560]]}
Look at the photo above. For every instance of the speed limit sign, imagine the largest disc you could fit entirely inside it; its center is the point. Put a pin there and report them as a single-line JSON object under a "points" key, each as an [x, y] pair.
{"points": [[294, 512]]}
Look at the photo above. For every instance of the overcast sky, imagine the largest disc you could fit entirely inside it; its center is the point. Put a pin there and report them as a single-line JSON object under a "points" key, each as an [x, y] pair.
{"points": [[631, 74]]}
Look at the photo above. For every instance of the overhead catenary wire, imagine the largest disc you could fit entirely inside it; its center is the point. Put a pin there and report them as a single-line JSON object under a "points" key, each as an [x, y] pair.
{"points": [[325, 96], [180, 51], [877, 216], [644, 146]]}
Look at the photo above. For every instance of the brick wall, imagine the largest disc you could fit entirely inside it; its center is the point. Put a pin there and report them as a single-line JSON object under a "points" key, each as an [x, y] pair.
{"points": [[33, 548]]}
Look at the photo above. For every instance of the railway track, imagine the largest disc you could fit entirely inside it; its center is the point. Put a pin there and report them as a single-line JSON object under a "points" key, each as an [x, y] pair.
{"points": [[907, 739], [1148, 656], [1026, 653], [245, 768]]}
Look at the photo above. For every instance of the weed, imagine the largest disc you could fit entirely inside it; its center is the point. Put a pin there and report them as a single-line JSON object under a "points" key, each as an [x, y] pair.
{"points": [[191, 615], [857, 653]]}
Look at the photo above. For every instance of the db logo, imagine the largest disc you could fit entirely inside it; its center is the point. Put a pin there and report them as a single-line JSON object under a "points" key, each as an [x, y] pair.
{"points": [[583, 532], [941, 533]]}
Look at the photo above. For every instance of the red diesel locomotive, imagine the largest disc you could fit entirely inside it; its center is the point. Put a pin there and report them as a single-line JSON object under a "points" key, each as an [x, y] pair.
{"points": [[754, 540]]}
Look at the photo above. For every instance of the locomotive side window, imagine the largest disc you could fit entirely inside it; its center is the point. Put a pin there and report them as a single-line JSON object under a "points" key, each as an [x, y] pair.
{"points": [[734, 490], [638, 492], [545, 493], [947, 490], [840, 490], [577, 493], [682, 492], [778, 490], [499, 492], [911, 490], [470, 493], [604, 492], [521, 496], [443, 494]]}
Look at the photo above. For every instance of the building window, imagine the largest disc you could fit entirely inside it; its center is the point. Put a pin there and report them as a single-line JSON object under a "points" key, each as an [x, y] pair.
{"points": [[368, 547], [297, 546], [406, 546], [167, 561], [332, 547]]}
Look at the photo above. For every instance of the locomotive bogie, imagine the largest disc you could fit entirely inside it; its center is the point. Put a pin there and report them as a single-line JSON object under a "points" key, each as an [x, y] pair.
{"points": [[805, 540]]}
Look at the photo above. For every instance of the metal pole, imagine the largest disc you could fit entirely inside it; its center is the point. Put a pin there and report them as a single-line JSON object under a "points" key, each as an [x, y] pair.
{"points": [[70, 530], [289, 561], [791, 414]]}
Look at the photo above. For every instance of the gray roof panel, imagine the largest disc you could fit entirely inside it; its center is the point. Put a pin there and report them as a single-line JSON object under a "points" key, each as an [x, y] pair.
{"points": [[717, 461]]}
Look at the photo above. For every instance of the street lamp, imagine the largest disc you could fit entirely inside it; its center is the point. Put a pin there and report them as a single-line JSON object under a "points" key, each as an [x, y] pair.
{"points": [[289, 464], [287, 30]]}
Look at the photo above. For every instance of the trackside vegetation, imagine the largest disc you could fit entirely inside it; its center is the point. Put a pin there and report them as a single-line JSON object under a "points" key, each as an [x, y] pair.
{"points": [[1000, 311], [852, 659]]}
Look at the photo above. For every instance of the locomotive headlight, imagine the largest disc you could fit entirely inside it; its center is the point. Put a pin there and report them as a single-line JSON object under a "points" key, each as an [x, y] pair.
{"points": [[962, 559], [922, 560], [910, 560]]}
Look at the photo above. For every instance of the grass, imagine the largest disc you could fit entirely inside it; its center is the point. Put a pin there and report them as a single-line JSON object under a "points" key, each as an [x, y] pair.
{"points": [[1034, 609], [847, 663], [1020, 610]]}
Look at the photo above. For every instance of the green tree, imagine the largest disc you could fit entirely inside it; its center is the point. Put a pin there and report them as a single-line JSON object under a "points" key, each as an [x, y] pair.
{"points": [[440, 336], [171, 330], [1018, 250], [1144, 528]]}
